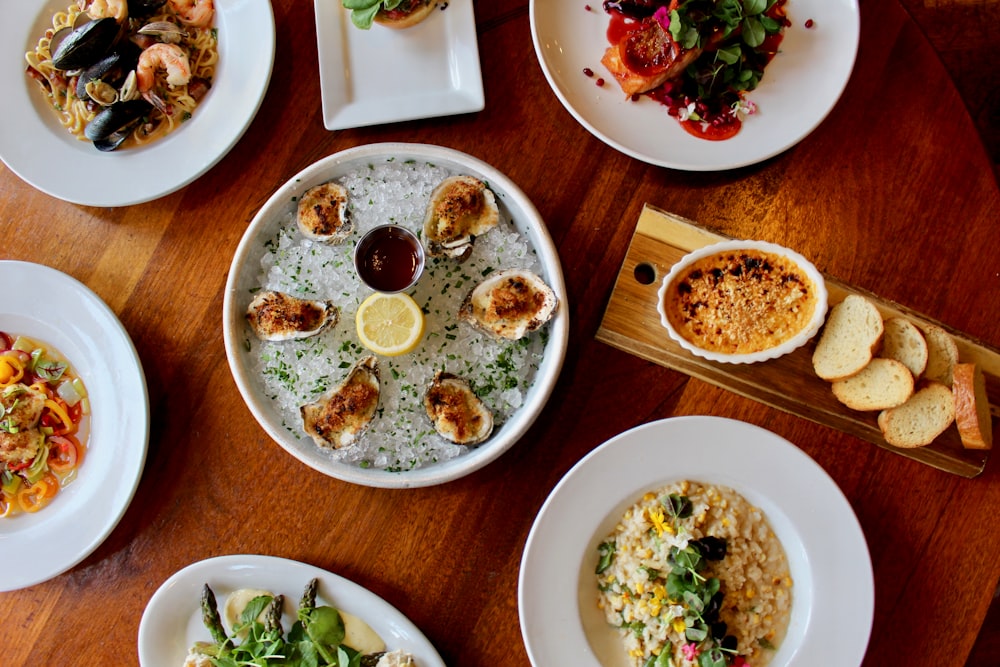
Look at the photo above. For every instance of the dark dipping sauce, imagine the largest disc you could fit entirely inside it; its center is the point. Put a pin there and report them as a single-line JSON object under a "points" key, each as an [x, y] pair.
{"points": [[389, 258]]}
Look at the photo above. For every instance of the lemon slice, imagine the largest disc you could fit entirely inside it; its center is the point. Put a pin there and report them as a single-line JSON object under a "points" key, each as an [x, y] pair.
{"points": [[389, 324]]}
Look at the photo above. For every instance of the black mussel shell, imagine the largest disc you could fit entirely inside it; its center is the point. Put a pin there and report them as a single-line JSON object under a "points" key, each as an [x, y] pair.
{"points": [[140, 8], [112, 68], [86, 45], [114, 118]]}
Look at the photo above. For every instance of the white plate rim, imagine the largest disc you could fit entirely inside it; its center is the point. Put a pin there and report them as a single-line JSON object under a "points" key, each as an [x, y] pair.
{"points": [[510, 196], [800, 87], [86, 331], [59, 165], [171, 621], [824, 542], [384, 75]]}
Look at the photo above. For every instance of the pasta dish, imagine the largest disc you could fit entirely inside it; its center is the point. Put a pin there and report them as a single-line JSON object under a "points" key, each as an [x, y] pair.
{"points": [[42, 407], [124, 73]]}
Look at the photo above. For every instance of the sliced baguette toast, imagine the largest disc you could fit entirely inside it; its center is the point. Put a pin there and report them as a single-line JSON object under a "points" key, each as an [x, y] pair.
{"points": [[921, 419], [850, 338], [972, 407], [942, 354], [883, 383], [904, 341]]}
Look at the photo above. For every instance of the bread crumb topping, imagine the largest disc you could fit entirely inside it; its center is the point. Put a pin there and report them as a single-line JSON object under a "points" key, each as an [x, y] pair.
{"points": [[740, 301]]}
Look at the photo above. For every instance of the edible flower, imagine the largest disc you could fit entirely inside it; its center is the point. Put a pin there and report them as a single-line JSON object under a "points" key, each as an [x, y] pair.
{"points": [[679, 626], [659, 522], [742, 108], [688, 112], [662, 16], [690, 651]]}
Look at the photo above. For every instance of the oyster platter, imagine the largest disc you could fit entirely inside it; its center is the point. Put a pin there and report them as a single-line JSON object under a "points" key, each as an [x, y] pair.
{"points": [[789, 383], [486, 301]]}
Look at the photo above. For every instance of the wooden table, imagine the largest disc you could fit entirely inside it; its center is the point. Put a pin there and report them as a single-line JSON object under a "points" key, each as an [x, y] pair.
{"points": [[893, 193]]}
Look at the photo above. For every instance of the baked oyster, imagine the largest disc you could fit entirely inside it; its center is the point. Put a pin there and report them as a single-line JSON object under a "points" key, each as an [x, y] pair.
{"points": [[461, 208], [455, 410], [509, 304], [276, 316], [344, 412], [322, 213]]}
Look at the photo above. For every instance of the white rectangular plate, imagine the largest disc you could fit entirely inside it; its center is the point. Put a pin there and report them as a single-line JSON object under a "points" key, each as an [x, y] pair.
{"points": [[370, 77]]}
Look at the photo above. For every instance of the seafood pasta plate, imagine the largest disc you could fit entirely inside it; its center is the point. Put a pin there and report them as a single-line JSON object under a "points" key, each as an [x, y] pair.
{"points": [[47, 156], [172, 621], [396, 435], [798, 89], [75, 321], [826, 558]]}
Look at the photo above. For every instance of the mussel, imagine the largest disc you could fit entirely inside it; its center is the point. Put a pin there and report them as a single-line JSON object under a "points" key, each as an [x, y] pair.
{"points": [[140, 8], [86, 45], [101, 81], [167, 32], [111, 126]]}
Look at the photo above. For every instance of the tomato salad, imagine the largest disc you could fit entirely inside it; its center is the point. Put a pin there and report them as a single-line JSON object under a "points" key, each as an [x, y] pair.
{"points": [[42, 406], [699, 58]]}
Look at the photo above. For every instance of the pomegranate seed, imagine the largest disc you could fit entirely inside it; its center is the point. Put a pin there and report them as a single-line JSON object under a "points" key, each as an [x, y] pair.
{"points": [[588, 71], [809, 23], [600, 82]]}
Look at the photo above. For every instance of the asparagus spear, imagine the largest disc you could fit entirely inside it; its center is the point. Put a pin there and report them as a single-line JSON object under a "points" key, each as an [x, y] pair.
{"points": [[272, 615], [308, 600], [210, 617]]}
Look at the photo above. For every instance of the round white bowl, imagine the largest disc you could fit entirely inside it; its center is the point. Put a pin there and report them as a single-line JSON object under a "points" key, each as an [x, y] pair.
{"points": [[793, 343], [244, 274]]}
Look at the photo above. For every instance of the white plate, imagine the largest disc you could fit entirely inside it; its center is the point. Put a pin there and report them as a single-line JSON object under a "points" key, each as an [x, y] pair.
{"points": [[833, 595], [382, 75], [47, 305], [800, 86], [172, 620], [244, 280], [46, 156]]}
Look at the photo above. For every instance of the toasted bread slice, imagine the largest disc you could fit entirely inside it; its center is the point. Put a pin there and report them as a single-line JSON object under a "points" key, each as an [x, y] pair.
{"points": [[904, 341], [883, 383], [921, 419], [942, 354], [407, 15], [850, 338], [972, 407]]}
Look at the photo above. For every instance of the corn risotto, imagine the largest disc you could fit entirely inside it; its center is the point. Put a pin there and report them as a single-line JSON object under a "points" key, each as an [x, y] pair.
{"points": [[694, 576]]}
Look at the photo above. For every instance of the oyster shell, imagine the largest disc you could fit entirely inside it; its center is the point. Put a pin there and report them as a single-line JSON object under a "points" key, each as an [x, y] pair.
{"points": [[322, 213], [276, 316], [456, 412], [509, 304], [461, 208], [343, 413]]}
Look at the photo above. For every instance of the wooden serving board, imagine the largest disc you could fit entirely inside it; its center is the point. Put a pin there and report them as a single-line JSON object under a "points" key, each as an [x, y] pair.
{"points": [[631, 323]]}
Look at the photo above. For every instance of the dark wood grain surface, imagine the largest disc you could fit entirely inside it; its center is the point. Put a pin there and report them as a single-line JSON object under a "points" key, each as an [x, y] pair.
{"points": [[893, 193]]}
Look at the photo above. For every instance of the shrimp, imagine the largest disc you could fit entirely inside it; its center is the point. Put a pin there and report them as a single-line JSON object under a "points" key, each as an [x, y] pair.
{"points": [[99, 9], [197, 13], [168, 57]]}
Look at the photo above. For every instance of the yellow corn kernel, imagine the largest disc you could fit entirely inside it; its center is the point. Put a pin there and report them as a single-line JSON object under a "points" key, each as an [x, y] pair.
{"points": [[750, 593], [788, 581], [685, 486], [640, 587], [649, 496]]}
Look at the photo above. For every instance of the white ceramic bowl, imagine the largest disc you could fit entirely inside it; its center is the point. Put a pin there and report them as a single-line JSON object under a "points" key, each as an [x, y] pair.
{"points": [[789, 345], [244, 278], [833, 595]]}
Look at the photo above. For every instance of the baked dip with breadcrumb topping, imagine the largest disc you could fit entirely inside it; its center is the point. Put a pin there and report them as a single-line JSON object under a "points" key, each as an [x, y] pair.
{"points": [[741, 301]]}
